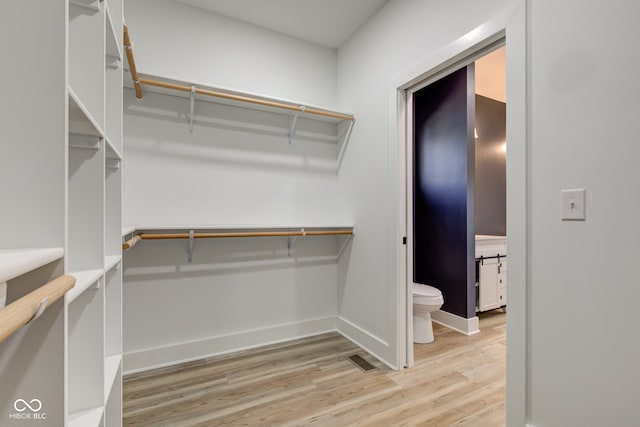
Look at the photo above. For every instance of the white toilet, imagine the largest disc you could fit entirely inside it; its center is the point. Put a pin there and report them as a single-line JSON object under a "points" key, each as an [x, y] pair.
{"points": [[425, 300]]}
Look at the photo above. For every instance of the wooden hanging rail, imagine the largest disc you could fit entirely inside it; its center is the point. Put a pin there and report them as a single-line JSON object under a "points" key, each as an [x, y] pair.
{"points": [[131, 242], [128, 47], [27, 308], [137, 82], [216, 235], [242, 98]]}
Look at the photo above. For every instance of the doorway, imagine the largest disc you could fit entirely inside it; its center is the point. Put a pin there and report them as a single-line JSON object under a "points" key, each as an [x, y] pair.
{"points": [[507, 28], [442, 208]]}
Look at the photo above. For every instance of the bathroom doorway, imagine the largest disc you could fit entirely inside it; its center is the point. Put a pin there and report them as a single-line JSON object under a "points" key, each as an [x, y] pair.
{"points": [[456, 184]]}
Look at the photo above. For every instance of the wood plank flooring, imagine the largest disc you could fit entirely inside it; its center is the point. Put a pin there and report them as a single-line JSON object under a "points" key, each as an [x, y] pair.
{"points": [[456, 381]]}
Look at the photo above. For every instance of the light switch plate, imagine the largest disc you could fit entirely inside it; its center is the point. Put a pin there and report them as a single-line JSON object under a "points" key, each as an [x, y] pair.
{"points": [[573, 205]]}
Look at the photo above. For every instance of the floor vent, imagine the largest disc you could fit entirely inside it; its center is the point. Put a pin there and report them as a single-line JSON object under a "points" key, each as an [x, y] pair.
{"points": [[361, 363]]}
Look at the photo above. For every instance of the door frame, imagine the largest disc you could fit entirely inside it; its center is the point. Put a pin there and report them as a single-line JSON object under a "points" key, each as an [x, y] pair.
{"points": [[467, 326], [509, 25]]}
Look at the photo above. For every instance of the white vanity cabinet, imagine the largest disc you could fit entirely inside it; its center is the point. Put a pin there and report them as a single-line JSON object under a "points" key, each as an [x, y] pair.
{"points": [[492, 283], [491, 272]]}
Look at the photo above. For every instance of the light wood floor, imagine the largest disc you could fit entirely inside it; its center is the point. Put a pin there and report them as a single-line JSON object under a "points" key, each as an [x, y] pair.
{"points": [[457, 380]]}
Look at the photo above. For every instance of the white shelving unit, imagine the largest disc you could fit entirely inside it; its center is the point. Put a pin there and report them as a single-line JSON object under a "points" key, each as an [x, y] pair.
{"points": [[16, 262], [301, 120], [68, 220]]}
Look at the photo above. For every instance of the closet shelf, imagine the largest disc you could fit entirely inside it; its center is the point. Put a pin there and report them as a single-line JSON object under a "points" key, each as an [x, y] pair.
{"points": [[208, 93], [88, 418], [111, 261], [204, 231], [91, 5], [84, 280], [112, 47], [81, 121], [16, 262], [128, 230], [192, 233], [111, 366], [112, 151]]}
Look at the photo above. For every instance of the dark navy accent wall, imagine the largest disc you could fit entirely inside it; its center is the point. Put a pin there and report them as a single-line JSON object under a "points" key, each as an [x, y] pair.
{"points": [[443, 190], [491, 167]]}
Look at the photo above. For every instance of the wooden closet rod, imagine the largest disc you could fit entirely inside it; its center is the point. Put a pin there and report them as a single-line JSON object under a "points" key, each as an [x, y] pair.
{"points": [[138, 82], [128, 47], [152, 236], [218, 235], [131, 242], [241, 98], [25, 309]]}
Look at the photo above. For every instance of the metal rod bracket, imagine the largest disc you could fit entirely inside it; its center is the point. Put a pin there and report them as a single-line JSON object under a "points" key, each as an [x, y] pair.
{"points": [[344, 245], [293, 118], [191, 238], [112, 163], [344, 142], [41, 308], [192, 102]]}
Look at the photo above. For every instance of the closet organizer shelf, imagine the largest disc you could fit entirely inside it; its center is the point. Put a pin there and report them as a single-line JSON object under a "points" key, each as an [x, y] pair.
{"points": [[112, 46], [16, 262], [112, 151], [182, 232], [218, 95], [84, 280], [90, 417], [111, 261], [81, 121], [111, 366], [191, 233]]}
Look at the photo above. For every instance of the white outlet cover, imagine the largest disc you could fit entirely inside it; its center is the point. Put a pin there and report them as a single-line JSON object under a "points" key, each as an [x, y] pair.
{"points": [[573, 205]]}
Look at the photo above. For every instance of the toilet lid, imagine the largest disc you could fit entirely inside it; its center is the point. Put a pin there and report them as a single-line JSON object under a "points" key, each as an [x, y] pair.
{"points": [[426, 290]]}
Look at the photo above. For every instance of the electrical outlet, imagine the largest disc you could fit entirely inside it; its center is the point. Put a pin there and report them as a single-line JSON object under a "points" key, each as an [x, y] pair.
{"points": [[573, 205]]}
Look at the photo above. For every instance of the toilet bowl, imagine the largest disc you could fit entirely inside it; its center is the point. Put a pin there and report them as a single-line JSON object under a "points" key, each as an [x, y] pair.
{"points": [[426, 299]]}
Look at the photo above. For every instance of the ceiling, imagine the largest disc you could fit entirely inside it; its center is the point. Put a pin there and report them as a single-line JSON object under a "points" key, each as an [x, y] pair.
{"points": [[328, 23]]}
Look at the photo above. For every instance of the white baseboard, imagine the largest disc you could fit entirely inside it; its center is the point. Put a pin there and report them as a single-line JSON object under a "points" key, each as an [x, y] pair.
{"points": [[159, 357], [363, 339], [457, 323]]}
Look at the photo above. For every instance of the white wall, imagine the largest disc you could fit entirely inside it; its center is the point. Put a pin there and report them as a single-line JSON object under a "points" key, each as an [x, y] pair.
{"points": [[235, 169], [186, 43], [584, 289], [582, 292], [400, 36]]}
